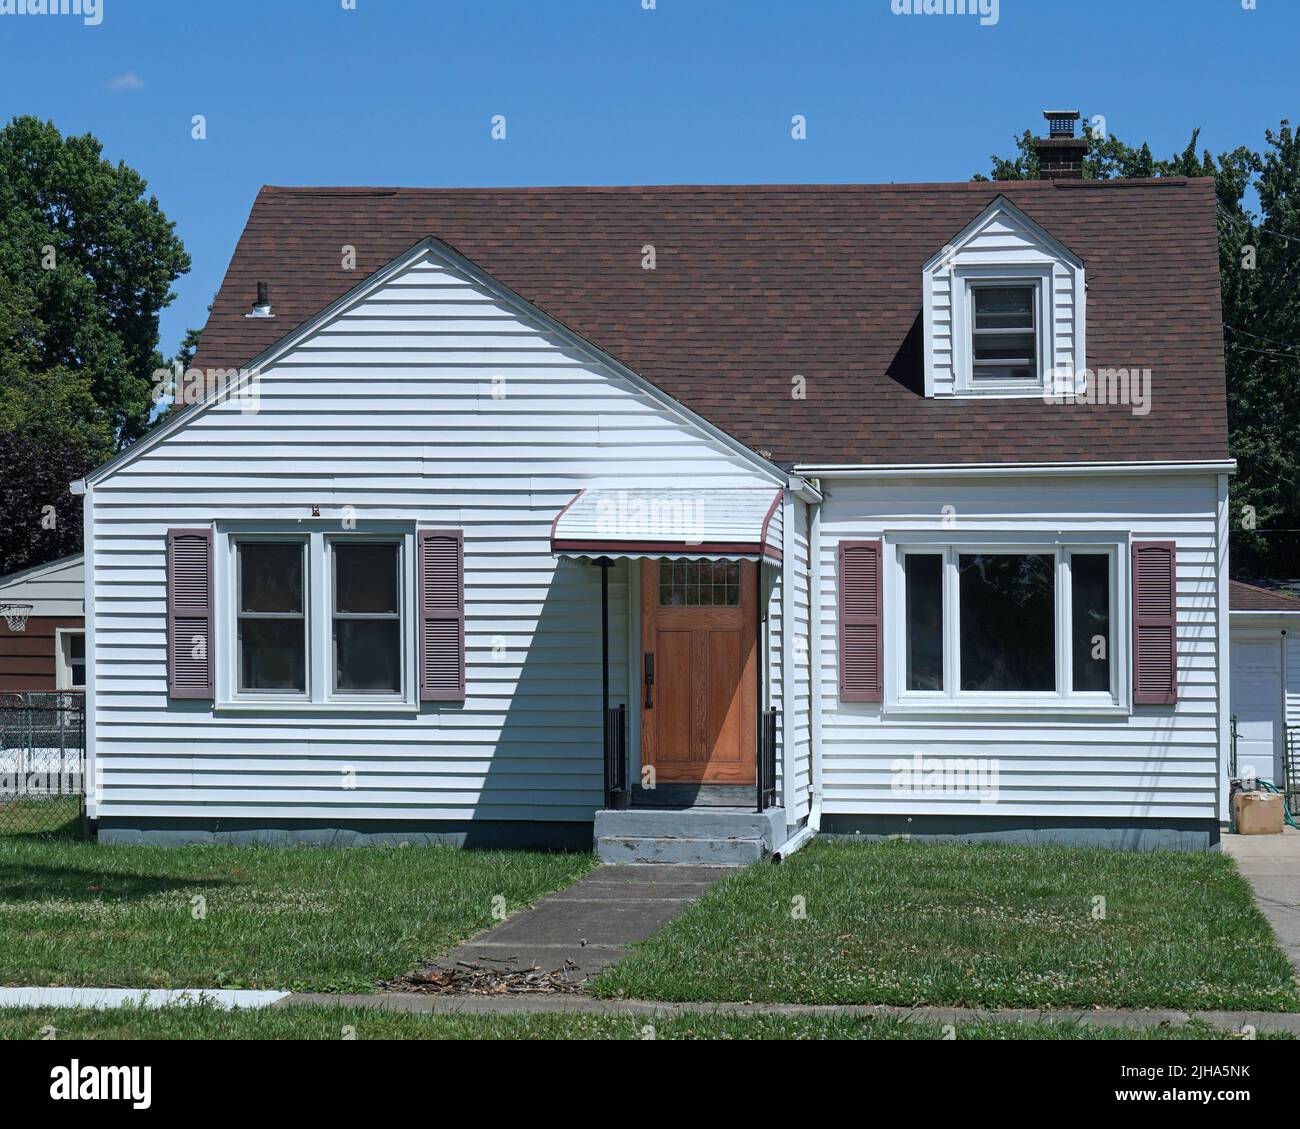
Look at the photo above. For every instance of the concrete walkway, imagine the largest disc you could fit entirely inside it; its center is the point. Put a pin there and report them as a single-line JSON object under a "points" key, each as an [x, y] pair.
{"points": [[1271, 864], [591, 923], [1263, 1022]]}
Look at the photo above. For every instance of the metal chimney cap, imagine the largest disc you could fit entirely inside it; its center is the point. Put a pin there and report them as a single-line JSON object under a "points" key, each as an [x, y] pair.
{"points": [[1060, 123]]}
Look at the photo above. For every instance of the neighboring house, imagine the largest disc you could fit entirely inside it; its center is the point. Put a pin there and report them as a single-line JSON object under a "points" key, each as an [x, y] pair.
{"points": [[1265, 679], [767, 471], [50, 652]]}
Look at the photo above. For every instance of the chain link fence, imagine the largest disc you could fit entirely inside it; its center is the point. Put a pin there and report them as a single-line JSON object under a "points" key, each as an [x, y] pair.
{"points": [[42, 763]]}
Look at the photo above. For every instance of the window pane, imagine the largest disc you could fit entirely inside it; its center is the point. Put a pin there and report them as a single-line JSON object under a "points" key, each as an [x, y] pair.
{"points": [[367, 654], [365, 578], [1004, 307], [1090, 612], [1005, 347], [924, 574], [77, 661], [1008, 621], [270, 576], [272, 654], [694, 584]]}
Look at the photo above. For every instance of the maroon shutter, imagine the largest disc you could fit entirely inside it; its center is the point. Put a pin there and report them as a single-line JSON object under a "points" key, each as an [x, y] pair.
{"points": [[1155, 675], [189, 613], [442, 615], [861, 622]]}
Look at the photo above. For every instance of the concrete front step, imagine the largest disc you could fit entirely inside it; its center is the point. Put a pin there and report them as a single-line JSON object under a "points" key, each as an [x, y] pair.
{"points": [[689, 836]]}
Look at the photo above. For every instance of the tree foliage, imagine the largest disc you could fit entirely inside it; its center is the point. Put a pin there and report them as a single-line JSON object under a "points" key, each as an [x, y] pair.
{"points": [[88, 262], [1259, 262], [86, 265], [42, 520]]}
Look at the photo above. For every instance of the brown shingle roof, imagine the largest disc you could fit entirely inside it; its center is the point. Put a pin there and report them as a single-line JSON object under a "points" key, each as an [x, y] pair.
{"points": [[1248, 598], [756, 284]]}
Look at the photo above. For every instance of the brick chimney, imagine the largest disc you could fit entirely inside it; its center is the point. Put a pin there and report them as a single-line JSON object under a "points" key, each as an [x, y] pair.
{"points": [[1060, 153]]}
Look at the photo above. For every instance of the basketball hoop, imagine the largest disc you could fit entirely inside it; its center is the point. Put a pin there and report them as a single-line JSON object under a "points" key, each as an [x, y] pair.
{"points": [[16, 615]]}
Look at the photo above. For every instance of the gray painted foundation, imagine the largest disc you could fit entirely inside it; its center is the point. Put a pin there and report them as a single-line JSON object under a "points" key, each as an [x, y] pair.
{"points": [[534, 834], [1124, 835]]}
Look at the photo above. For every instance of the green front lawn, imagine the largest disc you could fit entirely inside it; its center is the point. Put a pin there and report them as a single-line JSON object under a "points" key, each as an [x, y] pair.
{"points": [[329, 1022], [73, 913], [989, 926]]}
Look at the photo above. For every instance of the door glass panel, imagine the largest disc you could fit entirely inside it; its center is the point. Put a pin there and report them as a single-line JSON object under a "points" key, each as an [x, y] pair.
{"points": [[699, 584]]}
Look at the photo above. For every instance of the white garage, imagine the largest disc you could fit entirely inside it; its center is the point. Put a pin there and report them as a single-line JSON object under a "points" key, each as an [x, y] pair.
{"points": [[1265, 681]]}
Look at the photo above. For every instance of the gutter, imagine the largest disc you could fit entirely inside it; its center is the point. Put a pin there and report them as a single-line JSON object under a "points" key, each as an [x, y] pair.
{"points": [[805, 490], [994, 470]]}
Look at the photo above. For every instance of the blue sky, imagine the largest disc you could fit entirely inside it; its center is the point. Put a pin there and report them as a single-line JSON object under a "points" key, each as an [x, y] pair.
{"points": [[607, 92]]}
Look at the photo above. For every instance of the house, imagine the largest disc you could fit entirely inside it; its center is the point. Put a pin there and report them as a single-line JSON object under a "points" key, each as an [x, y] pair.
{"points": [[703, 517], [1265, 682], [49, 651]]}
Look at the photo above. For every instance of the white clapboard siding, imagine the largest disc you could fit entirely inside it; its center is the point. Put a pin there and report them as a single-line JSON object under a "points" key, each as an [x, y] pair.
{"points": [[1153, 763], [429, 400]]}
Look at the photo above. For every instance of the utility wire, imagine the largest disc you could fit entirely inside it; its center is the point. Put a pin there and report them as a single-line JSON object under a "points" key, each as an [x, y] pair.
{"points": [[1239, 220]]}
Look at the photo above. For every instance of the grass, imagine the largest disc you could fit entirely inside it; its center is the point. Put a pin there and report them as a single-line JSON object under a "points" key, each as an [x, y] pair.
{"points": [[954, 925], [330, 1022], [74, 913]]}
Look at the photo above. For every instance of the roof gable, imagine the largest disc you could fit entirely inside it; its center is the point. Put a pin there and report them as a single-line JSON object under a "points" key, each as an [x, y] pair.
{"points": [[1003, 220], [314, 334]]}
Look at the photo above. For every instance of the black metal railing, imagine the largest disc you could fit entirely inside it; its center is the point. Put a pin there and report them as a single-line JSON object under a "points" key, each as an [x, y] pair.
{"points": [[42, 762], [767, 759], [616, 790]]}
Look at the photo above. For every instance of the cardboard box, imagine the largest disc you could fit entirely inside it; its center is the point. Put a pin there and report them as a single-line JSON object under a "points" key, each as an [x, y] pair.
{"points": [[1257, 813]]}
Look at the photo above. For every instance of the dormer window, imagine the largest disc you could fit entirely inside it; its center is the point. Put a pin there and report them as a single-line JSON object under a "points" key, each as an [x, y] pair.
{"points": [[1004, 334], [1005, 310]]}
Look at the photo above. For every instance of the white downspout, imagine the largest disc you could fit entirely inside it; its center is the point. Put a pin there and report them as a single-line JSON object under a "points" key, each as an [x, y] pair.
{"points": [[814, 822]]}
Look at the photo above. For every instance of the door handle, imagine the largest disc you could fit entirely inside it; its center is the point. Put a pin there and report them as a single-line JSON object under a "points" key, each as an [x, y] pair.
{"points": [[649, 677]]}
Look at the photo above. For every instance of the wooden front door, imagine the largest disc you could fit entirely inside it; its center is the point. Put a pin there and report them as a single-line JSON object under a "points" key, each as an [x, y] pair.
{"points": [[699, 671]]}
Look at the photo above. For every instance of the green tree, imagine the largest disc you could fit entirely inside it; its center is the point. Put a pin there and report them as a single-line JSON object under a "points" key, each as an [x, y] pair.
{"points": [[87, 261], [1259, 262]]}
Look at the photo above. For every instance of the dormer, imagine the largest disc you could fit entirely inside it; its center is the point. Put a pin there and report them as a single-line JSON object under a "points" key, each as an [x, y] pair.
{"points": [[1005, 304]]}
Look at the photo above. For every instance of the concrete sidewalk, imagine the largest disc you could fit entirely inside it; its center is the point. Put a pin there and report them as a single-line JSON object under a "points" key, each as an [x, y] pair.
{"points": [[1271, 864], [592, 922]]}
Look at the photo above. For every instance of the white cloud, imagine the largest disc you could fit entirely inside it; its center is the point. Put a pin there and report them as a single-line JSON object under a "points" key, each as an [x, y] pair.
{"points": [[128, 81]]}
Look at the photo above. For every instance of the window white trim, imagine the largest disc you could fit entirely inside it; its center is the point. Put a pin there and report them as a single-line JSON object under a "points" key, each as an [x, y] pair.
{"points": [[952, 699], [63, 658], [319, 696], [965, 281]]}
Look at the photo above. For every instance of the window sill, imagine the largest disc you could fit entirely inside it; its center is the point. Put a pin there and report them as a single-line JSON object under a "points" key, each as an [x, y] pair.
{"points": [[1005, 709], [273, 707]]}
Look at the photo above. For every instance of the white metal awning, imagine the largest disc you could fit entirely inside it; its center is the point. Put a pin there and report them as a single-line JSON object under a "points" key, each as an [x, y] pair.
{"points": [[738, 524]]}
